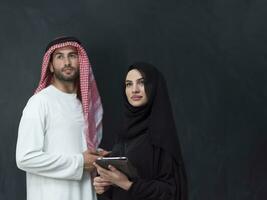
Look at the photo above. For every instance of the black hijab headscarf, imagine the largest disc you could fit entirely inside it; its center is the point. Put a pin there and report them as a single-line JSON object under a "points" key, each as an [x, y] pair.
{"points": [[155, 118]]}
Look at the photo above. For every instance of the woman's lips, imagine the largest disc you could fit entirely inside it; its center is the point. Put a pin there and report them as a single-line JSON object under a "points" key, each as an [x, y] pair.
{"points": [[136, 97]]}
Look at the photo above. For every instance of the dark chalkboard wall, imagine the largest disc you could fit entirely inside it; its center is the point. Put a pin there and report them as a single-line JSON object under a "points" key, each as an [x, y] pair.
{"points": [[211, 52]]}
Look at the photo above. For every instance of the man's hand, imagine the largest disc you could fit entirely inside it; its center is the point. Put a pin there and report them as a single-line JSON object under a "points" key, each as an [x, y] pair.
{"points": [[90, 157], [102, 152]]}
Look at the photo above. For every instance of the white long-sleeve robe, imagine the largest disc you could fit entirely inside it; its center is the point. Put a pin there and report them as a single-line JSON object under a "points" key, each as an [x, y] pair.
{"points": [[50, 145]]}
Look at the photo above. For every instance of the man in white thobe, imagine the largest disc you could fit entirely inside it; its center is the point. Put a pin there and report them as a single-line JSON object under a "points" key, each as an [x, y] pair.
{"points": [[60, 128]]}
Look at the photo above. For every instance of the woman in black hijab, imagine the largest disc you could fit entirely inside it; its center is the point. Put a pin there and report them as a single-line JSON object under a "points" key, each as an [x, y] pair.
{"points": [[149, 140]]}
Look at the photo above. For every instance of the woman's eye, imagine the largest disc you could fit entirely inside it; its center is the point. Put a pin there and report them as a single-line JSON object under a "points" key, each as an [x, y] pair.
{"points": [[142, 82], [128, 84]]}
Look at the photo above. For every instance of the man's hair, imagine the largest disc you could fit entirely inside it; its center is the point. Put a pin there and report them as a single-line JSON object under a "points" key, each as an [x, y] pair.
{"points": [[62, 40]]}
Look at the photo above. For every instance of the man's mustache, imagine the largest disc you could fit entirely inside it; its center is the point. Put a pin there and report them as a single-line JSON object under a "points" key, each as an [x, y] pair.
{"points": [[68, 67]]}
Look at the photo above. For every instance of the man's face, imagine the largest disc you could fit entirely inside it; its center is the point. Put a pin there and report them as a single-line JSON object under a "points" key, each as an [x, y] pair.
{"points": [[65, 64]]}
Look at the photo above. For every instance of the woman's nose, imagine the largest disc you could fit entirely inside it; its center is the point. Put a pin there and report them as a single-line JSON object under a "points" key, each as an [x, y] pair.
{"points": [[136, 88]]}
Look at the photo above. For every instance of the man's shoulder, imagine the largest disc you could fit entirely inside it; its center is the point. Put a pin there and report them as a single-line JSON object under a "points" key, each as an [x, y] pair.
{"points": [[40, 97], [37, 104]]}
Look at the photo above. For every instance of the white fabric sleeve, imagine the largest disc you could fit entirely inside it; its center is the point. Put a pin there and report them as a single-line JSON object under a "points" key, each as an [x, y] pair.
{"points": [[30, 156]]}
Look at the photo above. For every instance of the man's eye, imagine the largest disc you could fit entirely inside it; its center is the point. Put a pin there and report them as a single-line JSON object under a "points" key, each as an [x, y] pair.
{"points": [[73, 55], [59, 56]]}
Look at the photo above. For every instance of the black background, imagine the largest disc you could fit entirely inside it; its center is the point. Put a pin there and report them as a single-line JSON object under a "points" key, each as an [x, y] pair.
{"points": [[211, 52]]}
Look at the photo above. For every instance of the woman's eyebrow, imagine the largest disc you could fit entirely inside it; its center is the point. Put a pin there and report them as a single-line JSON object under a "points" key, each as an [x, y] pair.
{"points": [[136, 79], [140, 79]]}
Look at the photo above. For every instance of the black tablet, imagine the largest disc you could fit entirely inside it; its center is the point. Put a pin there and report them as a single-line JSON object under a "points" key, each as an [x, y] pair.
{"points": [[120, 163]]}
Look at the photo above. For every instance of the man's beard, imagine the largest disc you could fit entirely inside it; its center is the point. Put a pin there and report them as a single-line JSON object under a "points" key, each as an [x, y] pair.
{"points": [[59, 74]]}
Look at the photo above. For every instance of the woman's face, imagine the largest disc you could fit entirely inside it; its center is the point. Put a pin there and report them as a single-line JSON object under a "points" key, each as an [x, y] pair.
{"points": [[135, 88]]}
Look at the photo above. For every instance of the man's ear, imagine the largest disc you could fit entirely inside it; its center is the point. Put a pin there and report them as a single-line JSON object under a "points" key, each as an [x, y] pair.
{"points": [[51, 67]]}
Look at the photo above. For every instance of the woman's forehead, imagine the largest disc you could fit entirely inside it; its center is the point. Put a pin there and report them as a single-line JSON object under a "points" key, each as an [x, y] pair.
{"points": [[133, 74]]}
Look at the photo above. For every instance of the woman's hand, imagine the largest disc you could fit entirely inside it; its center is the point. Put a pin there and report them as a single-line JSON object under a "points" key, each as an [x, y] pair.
{"points": [[101, 185], [114, 176]]}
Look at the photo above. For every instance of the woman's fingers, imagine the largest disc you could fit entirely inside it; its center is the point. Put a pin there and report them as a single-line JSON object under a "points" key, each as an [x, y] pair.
{"points": [[101, 185], [99, 190], [112, 168], [99, 167], [100, 179], [112, 175], [103, 172]]}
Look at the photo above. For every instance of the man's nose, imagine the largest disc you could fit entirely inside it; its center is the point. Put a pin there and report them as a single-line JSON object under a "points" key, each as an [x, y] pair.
{"points": [[66, 61]]}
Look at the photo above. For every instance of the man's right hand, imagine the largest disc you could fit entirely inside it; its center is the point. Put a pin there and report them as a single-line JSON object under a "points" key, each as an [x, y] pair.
{"points": [[89, 158]]}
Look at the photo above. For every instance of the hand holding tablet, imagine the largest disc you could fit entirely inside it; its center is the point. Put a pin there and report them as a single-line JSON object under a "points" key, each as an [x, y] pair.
{"points": [[120, 163]]}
